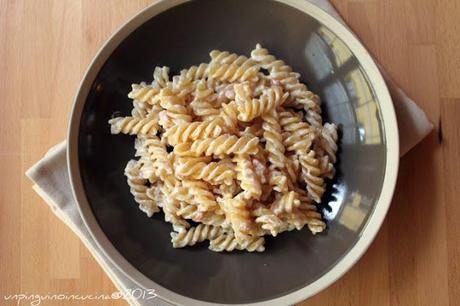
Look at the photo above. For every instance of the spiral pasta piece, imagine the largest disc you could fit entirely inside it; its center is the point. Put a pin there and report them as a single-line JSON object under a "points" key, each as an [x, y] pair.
{"points": [[314, 118], [140, 110], [268, 221], [286, 203], [278, 180], [138, 189], [233, 72], [170, 208], [298, 92], [175, 106], [143, 110], [249, 181], [298, 218], [187, 76], [299, 136], [134, 126], [239, 217], [157, 154], [155, 167], [329, 140], [265, 59], [327, 168], [196, 193], [143, 93], [282, 74], [201, 193], [306, 202], [204, 91], [225, 57], [204, 99], [260, 164], [184, 92], [215, 173], [148, 170], [311, 174], [250, 108], [214, 218], [224, 144], [273, 139], [231, 68], [195, 235], [161, 77], [229, 115], [292, 168], [204, 109], [228, 242], [184, 132]]}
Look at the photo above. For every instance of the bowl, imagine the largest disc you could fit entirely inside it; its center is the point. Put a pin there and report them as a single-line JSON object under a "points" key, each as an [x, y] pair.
{"points": [[178, 34]]}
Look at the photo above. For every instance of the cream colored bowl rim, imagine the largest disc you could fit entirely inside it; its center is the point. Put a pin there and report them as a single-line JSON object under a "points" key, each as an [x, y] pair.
{"points": [[375, 219]]}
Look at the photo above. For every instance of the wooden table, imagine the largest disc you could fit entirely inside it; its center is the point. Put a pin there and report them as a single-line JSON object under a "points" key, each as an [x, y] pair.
{"points": [[45, 46]]}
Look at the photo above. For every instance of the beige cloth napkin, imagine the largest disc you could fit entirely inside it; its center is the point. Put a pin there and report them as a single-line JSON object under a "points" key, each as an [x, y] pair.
{"points": [[51, 179]]}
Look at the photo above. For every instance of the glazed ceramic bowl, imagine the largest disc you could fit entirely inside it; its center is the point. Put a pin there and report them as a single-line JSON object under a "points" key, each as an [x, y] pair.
{"points": [[178, 34]]}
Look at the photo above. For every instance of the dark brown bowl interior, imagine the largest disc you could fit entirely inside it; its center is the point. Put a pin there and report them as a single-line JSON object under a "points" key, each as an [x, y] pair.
{"points": [[183, 36]]}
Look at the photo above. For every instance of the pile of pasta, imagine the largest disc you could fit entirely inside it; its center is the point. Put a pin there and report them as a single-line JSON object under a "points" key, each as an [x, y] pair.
{"points": [[231, 151]]}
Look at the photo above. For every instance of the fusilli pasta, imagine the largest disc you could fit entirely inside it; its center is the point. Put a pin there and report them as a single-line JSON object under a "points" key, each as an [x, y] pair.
{"points": [[281, 73], [160, 77], [215, 218], [143, 93], [134, 126], [174, 106], [195, 234], [249, 181], [230, 151], [231, 67], [224, 144], [204, 100], [250, 108], [184, 132], [215, 173], [228, 242], [311, 173], [139, 190], [197, 193], [187, 76]]}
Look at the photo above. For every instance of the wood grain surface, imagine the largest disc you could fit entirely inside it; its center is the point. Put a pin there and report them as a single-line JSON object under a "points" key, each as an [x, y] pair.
{"points": [[45, 46]]}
